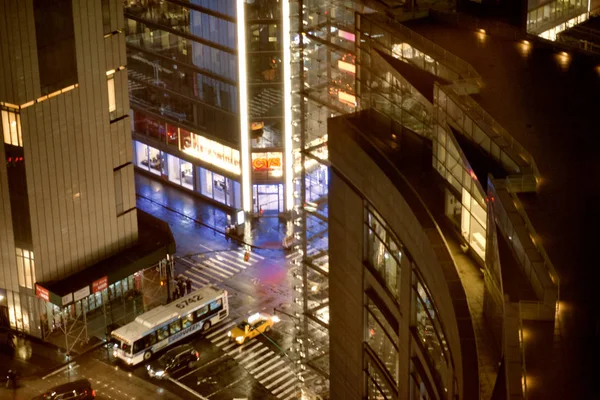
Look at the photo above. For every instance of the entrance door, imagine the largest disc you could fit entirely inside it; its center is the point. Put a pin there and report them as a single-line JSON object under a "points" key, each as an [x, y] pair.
{"points": [[268, 199]]}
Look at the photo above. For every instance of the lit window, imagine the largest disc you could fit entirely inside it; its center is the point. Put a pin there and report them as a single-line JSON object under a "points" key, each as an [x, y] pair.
{"points": [[112, 104], [11, 126], [25, 268]]}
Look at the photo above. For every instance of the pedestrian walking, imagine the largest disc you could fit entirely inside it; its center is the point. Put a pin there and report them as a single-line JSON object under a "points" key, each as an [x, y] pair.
{"points": [[188, 285], [181, 286], [11, 379], [175, 294], [178, 292]]}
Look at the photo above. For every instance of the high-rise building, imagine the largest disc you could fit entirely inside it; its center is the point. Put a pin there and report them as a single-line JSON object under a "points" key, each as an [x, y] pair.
{"points": [[69, 227], [210, 99]]}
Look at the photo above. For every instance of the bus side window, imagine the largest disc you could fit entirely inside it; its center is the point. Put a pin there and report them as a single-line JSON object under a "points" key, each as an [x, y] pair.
{"points": [[138, 345], [175, 327], [163, 332], [201, 312], [187, 320], [216, 306], [150, 340]]}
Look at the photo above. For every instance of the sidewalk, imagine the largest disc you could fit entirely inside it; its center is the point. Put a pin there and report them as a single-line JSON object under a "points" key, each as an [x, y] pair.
{"points": [[265, 232]]}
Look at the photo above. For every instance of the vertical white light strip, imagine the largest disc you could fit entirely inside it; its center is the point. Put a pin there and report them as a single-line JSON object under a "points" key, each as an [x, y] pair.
{"points": [[287, 106], [244, 127]]}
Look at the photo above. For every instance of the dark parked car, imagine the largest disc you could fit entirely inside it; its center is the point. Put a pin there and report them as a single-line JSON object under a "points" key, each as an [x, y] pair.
{"points": [[76, 390], [172, 361]]}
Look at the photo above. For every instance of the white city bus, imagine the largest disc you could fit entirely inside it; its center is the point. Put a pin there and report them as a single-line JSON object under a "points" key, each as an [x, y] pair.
{"points": [[165, 325]]}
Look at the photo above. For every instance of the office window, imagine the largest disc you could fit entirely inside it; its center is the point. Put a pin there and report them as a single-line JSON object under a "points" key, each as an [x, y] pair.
{"points": [[25, 268], [118, 191], [112, 103], [11, 126], [55, 40], [106, 16]]}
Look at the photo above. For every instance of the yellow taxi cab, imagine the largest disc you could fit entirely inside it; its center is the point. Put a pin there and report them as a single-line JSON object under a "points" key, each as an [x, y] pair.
{"points": [[255, 325]]}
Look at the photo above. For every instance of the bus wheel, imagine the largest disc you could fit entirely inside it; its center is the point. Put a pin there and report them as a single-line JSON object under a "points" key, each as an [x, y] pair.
{"points": [[206, 326], [147, 355]]}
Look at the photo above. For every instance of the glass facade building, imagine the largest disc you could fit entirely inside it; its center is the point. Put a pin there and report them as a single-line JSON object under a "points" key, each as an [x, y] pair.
{"points": [[208, 99]]}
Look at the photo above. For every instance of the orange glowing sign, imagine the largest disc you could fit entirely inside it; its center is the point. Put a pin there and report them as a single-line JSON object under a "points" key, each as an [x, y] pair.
{"points": [[262, 164]]}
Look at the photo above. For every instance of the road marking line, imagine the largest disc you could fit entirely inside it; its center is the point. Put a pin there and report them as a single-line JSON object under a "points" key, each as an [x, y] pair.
{"points": [[220, 343], [252, 354], [192, 391], [240, 348], [292, 396], [197, 269], [221, 329], [204, 266], [268, 369], [271, 361], [233, 260], [250, 364], [250, 350], [280, 390], [230, 345], [212, 264], [237, 268], [195, 276], [289, 390], [282, 377]]}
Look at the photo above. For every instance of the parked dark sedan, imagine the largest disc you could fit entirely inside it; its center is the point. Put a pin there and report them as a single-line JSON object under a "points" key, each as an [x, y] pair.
{"points": [[176, 359], [76, 390]]}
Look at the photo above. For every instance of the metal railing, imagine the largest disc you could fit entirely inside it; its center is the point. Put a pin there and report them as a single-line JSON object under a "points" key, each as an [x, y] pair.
{"points": [[478, 114]]}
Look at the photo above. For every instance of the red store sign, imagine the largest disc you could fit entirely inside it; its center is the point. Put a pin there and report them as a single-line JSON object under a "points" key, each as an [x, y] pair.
{"points": [[100, 284], [42, 293]]}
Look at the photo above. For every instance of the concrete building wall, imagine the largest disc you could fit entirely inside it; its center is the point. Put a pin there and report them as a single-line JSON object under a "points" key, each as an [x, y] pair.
{"points": [[357, 178], [77, 153]]}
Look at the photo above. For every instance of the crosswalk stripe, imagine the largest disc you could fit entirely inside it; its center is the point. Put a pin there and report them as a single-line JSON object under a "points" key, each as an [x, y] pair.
{"points": [[240, 348], [282, 377], [253, 354], [239, 261], [268, 369], [197, 269], [292, 396], [221, 329], [289, 390], [271, 361], [220, 337], [220, 342], [197, 282], [230, 345], [229, 268], [248, 350], [203, 266], [239, 256], [257, 360], [282, 387], [208, 273], [191, 274], [210, 263]]}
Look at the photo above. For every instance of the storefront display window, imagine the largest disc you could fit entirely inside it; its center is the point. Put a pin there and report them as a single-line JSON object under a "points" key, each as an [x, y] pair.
{"points": [[187, 178], [156, 159], [219, 187], [206, 182], [173, 169]]}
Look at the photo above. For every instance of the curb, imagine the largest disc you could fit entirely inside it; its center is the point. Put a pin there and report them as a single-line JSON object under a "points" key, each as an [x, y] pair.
{"points": [[217, 230]]}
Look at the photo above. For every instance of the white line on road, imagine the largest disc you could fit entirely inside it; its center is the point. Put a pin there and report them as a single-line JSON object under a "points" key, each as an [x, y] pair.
{"points": [[271, 361], [192, 391], [253, 354], [240, 348], [282, 388], [237, 267], [212, 264], [221, 329], [247, 366], [248, 349], [289, 390], [269, 369], [282, 377]]}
